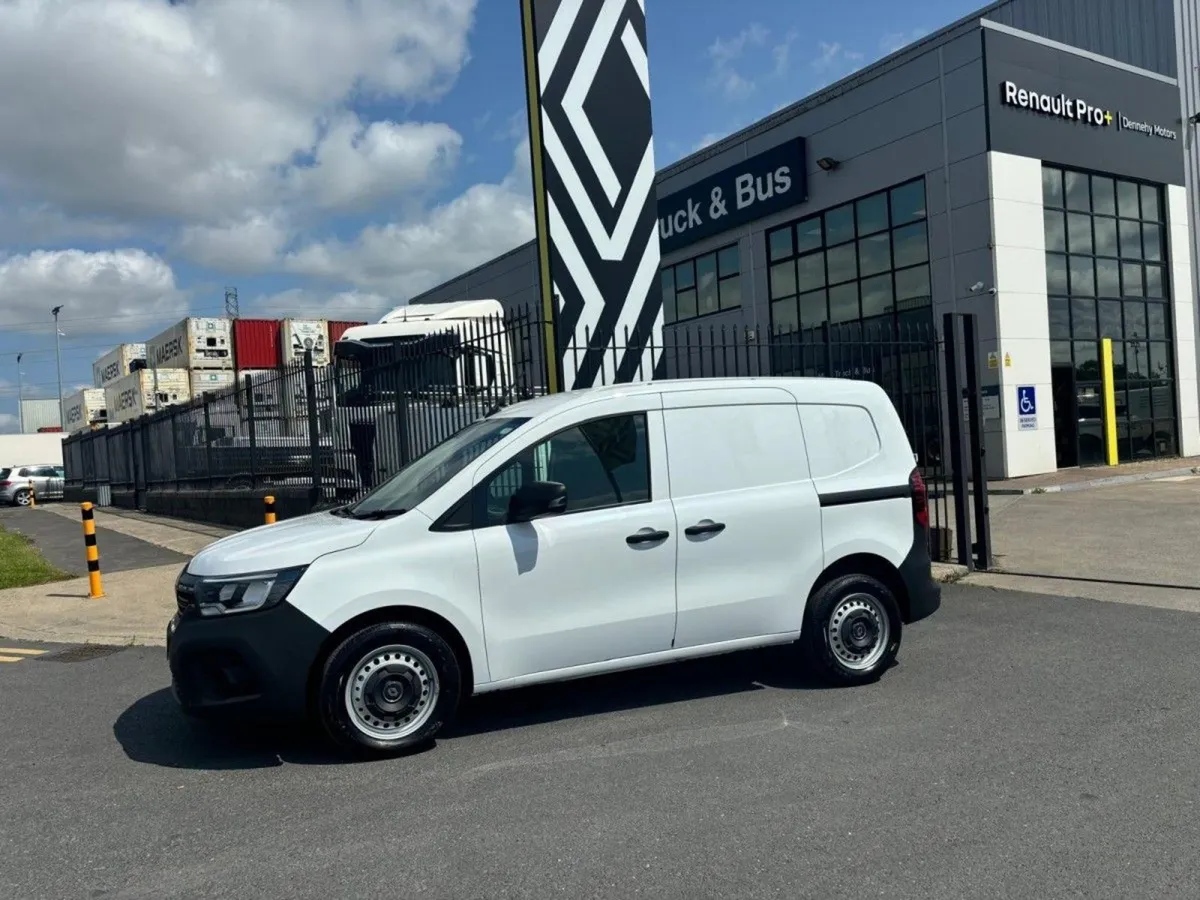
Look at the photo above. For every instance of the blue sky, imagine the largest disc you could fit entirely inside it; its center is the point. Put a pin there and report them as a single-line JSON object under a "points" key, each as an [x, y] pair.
{"points": [[326, 159]]}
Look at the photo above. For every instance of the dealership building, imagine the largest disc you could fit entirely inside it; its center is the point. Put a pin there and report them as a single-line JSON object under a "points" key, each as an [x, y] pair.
{"points": [[1033, 164]]}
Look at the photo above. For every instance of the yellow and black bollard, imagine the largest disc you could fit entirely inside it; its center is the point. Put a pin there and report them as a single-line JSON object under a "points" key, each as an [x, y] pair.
{"points": [[32, 496], [268, 510], [95, 588]]}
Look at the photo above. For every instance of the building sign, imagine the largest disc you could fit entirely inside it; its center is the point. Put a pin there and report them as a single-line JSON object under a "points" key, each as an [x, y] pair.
{"points": [[756, 187], [1078, 109]]}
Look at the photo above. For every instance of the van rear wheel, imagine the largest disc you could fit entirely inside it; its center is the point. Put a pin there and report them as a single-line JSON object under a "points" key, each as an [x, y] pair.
{"points": [[389, 689], [852, 630]]}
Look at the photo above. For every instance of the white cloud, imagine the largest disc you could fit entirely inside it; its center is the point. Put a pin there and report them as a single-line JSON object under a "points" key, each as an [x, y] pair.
{"points": [[96, 290], [782, 51], [725, 53], [249, 245], [8, 423], [833, 56], [890, 43], [354, 306]]}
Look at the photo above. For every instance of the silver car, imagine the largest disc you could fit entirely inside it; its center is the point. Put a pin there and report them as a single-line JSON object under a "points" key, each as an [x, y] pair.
{"points": [[16, 482]]}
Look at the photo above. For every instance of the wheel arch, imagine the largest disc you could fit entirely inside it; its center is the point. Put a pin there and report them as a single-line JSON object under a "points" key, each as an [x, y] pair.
{"points": [[867, 564]]}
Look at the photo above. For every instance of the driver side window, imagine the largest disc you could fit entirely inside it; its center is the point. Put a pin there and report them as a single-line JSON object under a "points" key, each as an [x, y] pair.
{"points": [[602, 463]]}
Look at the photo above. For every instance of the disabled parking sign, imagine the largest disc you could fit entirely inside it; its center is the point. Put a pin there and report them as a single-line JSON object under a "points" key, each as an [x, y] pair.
{"points": [[1026, 408]]}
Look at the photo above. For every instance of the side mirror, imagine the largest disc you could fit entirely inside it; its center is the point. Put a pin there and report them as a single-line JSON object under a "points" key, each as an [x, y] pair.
{"points": [[537, 499]]}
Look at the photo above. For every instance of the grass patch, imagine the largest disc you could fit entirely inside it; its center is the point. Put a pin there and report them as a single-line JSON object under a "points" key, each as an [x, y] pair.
{"points": [[22, 564]]}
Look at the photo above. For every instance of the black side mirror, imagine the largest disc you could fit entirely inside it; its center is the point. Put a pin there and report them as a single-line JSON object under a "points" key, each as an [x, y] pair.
{"points": [[537, 499]]}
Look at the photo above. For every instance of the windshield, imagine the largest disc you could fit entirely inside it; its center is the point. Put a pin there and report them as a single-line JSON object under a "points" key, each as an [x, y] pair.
{"points": [[420, 478]]}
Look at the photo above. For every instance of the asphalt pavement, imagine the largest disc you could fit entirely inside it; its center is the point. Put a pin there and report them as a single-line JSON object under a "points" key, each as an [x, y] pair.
{"points": [[60, 540], [1023, 747]]}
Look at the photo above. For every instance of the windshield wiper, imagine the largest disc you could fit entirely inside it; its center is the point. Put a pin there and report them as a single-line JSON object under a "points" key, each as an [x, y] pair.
{"points": [[378, 514]]}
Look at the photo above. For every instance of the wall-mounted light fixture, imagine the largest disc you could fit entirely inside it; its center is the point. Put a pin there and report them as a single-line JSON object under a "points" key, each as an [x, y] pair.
{"points": [[1194, 119], [828, 163]]}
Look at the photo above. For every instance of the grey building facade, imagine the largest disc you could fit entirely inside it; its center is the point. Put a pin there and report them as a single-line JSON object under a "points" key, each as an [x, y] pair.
{"points": [[1031, 164]]}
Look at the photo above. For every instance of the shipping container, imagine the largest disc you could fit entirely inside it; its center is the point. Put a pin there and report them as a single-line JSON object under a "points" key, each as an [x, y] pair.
{"points": [[144, 392], [117, 363], [298, 335], [206, 380], [256, 343], [84, 409], [275, 397], [337, 329], [199, 342], [37, 414]]}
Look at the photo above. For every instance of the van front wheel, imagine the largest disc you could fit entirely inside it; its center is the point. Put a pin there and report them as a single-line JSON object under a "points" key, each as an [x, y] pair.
{"points": [[389, 689], [851, 632]]}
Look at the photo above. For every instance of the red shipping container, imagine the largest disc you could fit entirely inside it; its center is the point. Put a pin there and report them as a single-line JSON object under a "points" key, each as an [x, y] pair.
{"points": [[337, 329], [256, 343]]}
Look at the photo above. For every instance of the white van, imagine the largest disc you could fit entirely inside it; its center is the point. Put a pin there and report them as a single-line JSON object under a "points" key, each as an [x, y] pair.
{"points": [[566, 536]]}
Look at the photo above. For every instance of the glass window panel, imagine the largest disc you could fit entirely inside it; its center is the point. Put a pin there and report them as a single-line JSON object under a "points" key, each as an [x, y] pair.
{"points": [[1164, 438], [909, 246], [1088, 401], [1056, 234], [1154, 282], [1091, 443], [1150, 210], [1056, 274], [1127, 199], [1060, 318], [843, 303], [1162, 401], [686, 304], [784, 316], [1131, 240], [877, 295], [780, 243], [912, 287], [1103, 199], [1156, 322], [1106, 236], [1118, 360], [1131, 280], [1077, 193], [1060, 353], [873, 214], [685, 275], [813, 309], [908, 202], [1087, 361], [1108, 278], [1152, 242], [808, 234], [1052, 186], [1083, 276], [1135, 320], [706, 282], [668, 281], [1110, 320], [841, 263], [783, 279], [731, 292], [810, 272], [1079, 233], [668, 292], [839, 224], [1137, 363], [1160, 360], [728, 261], [874, 254], [1083, 319]]}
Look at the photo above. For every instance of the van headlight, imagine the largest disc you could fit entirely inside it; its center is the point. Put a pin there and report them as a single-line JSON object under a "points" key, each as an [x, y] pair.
{"points": [[244, 593]]}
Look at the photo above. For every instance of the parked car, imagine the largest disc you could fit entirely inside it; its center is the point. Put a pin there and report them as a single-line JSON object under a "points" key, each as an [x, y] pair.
{"points": [[46, 482], [567, 536]]}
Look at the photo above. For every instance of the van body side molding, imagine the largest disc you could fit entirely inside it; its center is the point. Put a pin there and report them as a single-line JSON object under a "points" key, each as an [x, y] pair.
{"points": [[867, 495]]}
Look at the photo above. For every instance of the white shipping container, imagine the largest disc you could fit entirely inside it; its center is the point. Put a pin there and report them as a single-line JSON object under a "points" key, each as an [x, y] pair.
{"points": [[135, 394], [116, 363], [84, 409], [200, 342], [37, 414], [204, 381], [285, 397], [298, 335]]}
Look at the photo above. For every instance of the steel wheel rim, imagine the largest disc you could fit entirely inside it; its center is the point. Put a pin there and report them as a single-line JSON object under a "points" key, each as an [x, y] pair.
{"points": [[23, 498], [391, 692], [858, 632]]}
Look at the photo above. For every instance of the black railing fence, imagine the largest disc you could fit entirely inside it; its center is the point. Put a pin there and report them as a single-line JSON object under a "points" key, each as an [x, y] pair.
{"points": [[331, 433]]}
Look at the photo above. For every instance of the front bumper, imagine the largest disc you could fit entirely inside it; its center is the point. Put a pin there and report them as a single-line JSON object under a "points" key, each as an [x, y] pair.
{"points": [[246, 664]]}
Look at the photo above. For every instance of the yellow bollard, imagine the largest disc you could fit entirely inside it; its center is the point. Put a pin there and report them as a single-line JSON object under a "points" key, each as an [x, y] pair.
{"points": [[95, 588], [1110, 401], [268, 510], [32, 496]]}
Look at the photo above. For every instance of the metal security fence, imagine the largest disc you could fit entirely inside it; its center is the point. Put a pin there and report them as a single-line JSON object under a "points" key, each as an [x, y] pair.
{"points": [[331, 433]]}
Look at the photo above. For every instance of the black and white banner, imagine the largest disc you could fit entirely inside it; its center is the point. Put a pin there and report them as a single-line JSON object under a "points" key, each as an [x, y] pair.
{"points": [[593, 170]]}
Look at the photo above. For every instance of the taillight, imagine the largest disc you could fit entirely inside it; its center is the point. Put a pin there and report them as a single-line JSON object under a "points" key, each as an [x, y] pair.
{"points": [[920, 498], [5, 484]]}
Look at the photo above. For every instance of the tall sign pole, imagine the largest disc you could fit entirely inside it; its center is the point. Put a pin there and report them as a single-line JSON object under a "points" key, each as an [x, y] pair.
{"points": [[595, 203]]}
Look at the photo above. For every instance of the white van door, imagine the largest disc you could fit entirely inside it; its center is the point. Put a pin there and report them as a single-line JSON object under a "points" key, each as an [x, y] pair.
{"points": [[594, 583], [747, 513]]}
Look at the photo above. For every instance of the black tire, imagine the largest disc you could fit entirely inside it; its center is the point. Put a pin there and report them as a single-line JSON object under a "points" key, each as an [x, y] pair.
{"points": [[868, 602], [350, 731], [21, 497]]}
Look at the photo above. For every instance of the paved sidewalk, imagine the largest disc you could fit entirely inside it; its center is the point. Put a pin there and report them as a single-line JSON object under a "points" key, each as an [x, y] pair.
{"points": [[1095, 476], [60, 541], [187, 538]]}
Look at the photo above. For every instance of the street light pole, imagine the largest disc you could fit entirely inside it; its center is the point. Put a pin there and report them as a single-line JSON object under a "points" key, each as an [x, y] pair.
{"points": [[58, 362], [20, 405]]}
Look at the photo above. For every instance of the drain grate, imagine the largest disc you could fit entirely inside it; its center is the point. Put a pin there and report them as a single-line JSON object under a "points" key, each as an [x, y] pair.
{"points": [[82, 653]]}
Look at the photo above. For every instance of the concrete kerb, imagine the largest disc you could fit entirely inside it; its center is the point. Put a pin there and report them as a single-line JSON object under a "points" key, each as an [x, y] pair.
{"points": [[1095, 482]]}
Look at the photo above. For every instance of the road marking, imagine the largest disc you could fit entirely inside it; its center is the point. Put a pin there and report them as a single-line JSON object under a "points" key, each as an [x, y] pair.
{"points": [[4, 659], [1179, 479], [22, 651]]}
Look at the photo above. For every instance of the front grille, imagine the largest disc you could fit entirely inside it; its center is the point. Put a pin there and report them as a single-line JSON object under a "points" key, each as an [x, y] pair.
{"points": [[185, 592]]}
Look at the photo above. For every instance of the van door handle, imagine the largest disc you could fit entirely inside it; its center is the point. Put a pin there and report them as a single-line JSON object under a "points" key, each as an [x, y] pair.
{"points": [[704, 528], [647, 536]]}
